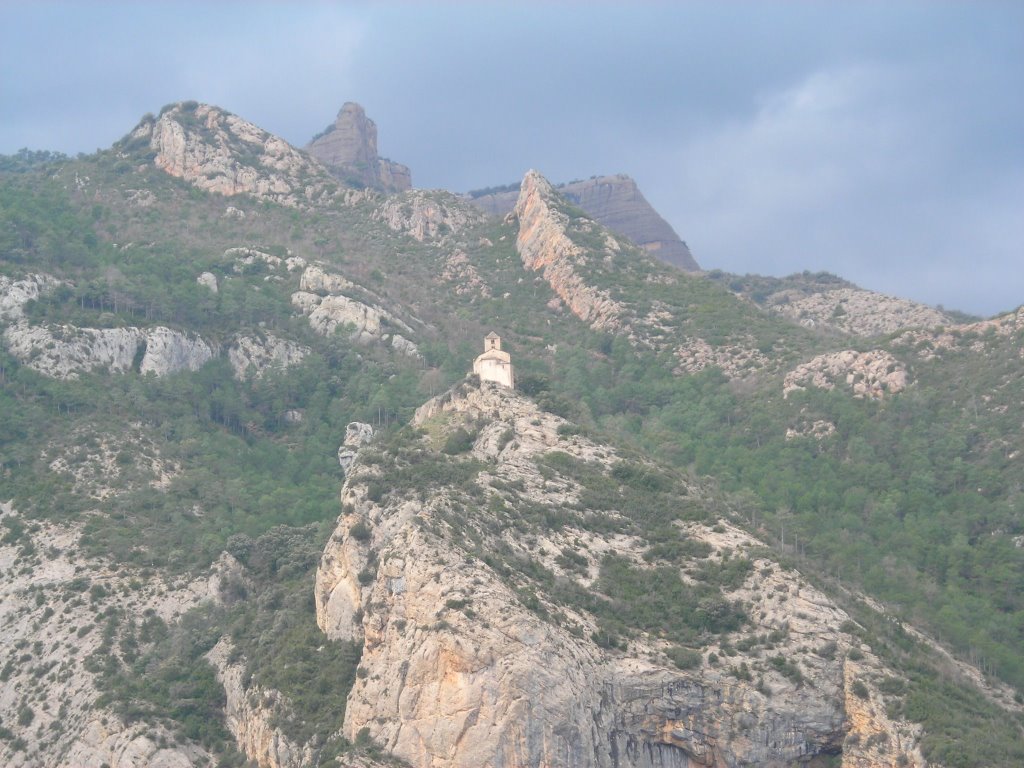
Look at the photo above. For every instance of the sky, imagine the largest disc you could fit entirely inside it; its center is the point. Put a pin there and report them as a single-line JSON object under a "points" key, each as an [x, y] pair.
{"points": [[880, 141]]}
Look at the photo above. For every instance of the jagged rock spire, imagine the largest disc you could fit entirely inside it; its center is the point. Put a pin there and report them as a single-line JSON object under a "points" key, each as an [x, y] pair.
{"points": [[348, 147]]}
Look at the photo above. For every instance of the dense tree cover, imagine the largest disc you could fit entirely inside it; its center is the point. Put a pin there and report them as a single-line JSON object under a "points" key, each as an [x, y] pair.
{"points": [[911, 499]]}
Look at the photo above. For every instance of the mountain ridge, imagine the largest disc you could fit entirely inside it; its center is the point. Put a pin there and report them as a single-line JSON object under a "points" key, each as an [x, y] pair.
{"points": [[617, 203], [668, 464]]}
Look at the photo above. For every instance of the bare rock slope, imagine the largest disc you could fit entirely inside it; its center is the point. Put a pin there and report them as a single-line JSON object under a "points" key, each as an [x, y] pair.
{"points": [[454, 570], [53, 608], [219, 152]]}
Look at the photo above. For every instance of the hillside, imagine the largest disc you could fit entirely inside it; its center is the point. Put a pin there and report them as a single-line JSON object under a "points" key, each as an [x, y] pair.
{"points": [[729, 534]]}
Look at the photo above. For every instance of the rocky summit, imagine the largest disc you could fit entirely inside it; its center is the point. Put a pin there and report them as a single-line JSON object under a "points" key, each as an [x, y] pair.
{"points": [[617, 203], [256, 511], [348, 147]]}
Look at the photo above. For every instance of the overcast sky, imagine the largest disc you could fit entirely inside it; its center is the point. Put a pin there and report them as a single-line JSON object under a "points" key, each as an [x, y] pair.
{"points": [[881, 141]]}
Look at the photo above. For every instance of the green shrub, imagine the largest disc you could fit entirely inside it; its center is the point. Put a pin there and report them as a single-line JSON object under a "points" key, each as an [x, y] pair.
{"points": [[459, 441], [684, 658], [360, 531]]}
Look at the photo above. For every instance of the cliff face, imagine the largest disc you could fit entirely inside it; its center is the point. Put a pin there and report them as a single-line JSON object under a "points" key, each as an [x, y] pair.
{"points": [[544, 246], [473, 656], [249, 715], [349, 149], [222, 153], [589, 281], [65, 351], [617, 203]]}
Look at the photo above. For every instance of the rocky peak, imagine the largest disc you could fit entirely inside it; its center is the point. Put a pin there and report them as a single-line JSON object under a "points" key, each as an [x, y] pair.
{"points": [[220, 152], [348, 147], [543, 244], [617, 203]]}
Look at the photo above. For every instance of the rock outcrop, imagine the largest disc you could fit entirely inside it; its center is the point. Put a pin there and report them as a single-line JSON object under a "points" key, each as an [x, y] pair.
{"points": [[544, 246], [871, 374], [252, 357], [348, 147], [357, 434], [222, 153], [616, 203], [14, 294], [855, 311], [588, 279], [66, 351], [463, 276], [209, 281], [428, 216], [734, 360], [249, 713], [929, 344], [463, 664], [328, 311]]}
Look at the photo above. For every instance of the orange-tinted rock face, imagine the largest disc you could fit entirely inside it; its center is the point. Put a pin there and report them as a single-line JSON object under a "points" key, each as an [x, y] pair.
{"points": [[349, 149], [544, 246], [457, 672], [617, 203]]}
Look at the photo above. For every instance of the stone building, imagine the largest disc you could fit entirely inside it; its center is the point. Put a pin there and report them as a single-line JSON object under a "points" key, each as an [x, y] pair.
{"points": [[494, 364]]}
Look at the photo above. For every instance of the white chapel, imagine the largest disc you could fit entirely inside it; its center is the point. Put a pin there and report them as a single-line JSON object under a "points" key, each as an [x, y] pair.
{"points": [[494, 364]]}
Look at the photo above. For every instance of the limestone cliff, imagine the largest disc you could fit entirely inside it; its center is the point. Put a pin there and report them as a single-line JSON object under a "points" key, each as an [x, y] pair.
{"points": [[220, 152], [544, 246], [66, 351], [473, 654], [587, 266], [348, 147], [615, 202], [249, 713]]}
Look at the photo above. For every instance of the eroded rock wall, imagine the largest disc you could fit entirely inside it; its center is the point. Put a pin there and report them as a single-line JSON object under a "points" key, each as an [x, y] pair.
{"points": [[219, 152], [615, 202], [349, 149], [457, 671], [545, 247]]}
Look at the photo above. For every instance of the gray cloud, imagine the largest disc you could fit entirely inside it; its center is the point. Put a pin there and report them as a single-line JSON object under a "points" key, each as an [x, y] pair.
{"points": [[877, 141]]}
